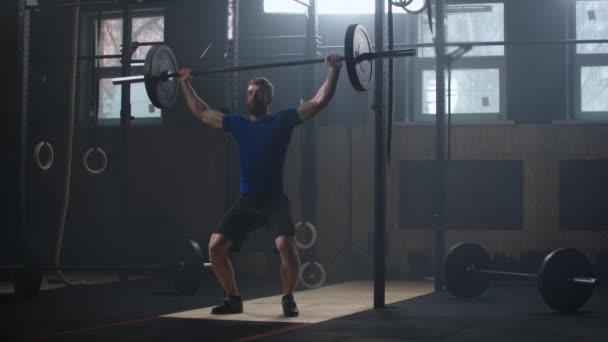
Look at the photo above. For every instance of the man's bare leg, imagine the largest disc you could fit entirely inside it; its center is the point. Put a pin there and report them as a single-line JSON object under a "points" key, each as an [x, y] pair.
{"points": [[290, 272], [219, 248]]}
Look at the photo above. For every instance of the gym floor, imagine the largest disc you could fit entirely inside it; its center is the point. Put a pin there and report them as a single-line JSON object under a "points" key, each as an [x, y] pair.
{"points": [[148, 309]]}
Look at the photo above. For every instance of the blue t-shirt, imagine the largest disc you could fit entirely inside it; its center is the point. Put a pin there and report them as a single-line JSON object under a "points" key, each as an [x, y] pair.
{"points": [[263, 147]]}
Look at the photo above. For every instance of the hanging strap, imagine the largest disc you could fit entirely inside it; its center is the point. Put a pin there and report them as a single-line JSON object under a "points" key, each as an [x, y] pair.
{"points": [[95, 82], [390, 84], [429, 14]]}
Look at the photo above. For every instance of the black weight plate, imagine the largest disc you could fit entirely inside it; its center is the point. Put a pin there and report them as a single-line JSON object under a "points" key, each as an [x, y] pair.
{"points": [[29, 278], [457, 279], [356, 43], [554, 283], [162, 93], [188, 272]]}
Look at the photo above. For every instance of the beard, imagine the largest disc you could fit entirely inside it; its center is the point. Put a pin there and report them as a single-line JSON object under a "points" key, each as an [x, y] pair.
{"points": [[257, 108]]}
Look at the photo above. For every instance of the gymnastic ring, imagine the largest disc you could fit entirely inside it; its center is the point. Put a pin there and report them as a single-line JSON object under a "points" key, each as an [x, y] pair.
{"points": [[37, 150], [85, 160], [313, 235], [304, 282]]}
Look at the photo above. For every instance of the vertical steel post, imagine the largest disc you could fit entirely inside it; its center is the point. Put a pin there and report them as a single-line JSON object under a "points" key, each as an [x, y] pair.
{"points": [[380, 165]]}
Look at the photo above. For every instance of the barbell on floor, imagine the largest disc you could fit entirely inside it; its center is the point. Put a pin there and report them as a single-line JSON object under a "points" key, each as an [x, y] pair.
{"points": [[566, 279], [160, 67], [186, 272]]}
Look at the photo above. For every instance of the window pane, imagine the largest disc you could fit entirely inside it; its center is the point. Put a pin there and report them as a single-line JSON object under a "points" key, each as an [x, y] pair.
{"points": [[149, 29], [282, 6], [473, 91], [110, 40], [109, 101], [592, 23], [594, 89], [468, 23], [324, 7]]}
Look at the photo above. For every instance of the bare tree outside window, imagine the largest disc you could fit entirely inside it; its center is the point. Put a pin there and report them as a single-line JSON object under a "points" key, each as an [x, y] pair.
{"points": [[473, 91], [477, 77], [592, 23], [594, 89], [468, 23], [150, 29], [110, 40], [144, 29], [592, 59]]}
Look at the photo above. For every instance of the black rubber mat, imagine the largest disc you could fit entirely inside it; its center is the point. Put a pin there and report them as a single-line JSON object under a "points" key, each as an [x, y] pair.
{"points": [[130, 312]]}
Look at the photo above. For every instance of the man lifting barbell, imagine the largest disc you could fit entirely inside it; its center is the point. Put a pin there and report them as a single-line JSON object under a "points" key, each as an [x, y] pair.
{"points": [[263, 140]]}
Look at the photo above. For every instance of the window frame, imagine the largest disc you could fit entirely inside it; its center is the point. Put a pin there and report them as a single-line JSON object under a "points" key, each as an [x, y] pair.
{"points": [[477, 62], [579, 61], [421, 64], [108, 72]]}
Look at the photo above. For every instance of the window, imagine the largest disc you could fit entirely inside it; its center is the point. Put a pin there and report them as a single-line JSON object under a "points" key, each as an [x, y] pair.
{"points": [[477, 78], [323, 6], [145, 28], [473, 91], [591, 61]]}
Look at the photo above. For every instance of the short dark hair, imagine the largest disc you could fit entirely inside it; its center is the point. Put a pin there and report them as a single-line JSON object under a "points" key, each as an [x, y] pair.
{"points": [[265, 84]]}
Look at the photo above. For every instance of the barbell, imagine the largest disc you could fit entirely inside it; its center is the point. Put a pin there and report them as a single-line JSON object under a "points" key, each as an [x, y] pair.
{"points": [[566, 279], [161, 76], [185, 269]]}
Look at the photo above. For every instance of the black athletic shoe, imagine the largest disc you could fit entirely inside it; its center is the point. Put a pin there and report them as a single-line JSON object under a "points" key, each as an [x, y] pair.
{"points": [[290, 309], [231, 305]]}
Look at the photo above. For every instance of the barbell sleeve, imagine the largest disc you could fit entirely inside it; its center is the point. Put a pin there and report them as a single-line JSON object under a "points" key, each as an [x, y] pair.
{"points": [[586, 281], [128, 79]]}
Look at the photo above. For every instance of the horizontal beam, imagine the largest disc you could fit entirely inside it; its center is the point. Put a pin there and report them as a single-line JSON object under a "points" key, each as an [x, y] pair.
{"points": [[490, 43], [99, 268], [38, 4], [276, 37], [136, 43]]}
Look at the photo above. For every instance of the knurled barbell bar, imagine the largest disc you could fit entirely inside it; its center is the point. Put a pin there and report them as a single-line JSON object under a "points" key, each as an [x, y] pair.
{"points": [[186, 270], [566, 279], [160, 67]]}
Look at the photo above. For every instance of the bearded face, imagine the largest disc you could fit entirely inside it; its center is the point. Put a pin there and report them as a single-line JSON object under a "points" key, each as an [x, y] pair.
{"points": [[257, 100]]}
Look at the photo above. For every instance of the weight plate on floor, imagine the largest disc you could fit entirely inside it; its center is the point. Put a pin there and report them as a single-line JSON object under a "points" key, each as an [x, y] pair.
{"points": [[554, 282], [188, 271], [457, 280]]}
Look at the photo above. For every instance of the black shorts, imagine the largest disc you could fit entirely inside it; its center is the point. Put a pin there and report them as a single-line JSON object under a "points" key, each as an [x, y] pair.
{"points": [[250, 212]]}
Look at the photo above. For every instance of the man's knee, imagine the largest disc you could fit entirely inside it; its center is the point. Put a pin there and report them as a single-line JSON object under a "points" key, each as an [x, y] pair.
{"points": [[286, 247], [218, 246]]}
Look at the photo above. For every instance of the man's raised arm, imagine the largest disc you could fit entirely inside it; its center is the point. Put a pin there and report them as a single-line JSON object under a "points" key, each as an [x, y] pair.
{"points": [[196, 105], [308, 109]]}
